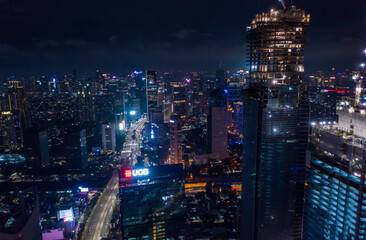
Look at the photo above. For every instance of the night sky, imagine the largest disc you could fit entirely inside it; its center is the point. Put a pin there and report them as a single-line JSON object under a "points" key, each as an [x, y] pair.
{"points": [[38, 37]]}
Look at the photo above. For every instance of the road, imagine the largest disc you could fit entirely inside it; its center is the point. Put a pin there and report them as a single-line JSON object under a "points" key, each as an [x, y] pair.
{"points": [[131, 148], [97, 224], [99, 219]]}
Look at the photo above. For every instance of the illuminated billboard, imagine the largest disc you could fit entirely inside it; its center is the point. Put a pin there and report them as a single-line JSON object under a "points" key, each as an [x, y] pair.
{"points": [[128, 173], [67, 215], [130, 176], [83, 189]]}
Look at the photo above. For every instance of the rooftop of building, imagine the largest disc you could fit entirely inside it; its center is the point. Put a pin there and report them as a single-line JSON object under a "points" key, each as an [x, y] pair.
{"points": [[290, 14], [349, 138]]}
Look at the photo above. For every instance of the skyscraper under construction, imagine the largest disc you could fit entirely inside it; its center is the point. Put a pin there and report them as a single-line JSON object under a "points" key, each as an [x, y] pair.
{"points": [[275, 127]]}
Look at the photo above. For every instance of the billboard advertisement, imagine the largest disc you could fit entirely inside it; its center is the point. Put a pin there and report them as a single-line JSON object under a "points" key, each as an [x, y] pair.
{"points": [[67, 215]]}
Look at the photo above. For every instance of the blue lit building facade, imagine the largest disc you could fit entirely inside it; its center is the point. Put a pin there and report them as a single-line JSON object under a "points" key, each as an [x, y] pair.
{"points": [[335, 200], [275, 127], [153, 204]]}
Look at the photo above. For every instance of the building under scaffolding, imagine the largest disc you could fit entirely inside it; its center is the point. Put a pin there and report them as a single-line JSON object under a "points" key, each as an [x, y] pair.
{"points": [[276, 46]]}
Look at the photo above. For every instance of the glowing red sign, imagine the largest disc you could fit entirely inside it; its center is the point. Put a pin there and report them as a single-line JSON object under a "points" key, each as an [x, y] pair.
{"points": [[128, 173]]}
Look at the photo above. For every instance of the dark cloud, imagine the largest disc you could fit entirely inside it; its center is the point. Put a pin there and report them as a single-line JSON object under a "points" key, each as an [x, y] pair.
{"points": [[7, 50], [47, 44], [113, 39], [183, 34], [78, 43]]}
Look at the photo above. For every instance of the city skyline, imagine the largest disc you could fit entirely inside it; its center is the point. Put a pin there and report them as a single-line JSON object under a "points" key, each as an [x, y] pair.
{"points": [[55, 37], [178, 119]]}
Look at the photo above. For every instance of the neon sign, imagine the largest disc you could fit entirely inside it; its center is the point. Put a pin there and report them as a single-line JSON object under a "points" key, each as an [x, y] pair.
{"points": [[128, 173], [140, 172], [136, 172], [83, 189]]}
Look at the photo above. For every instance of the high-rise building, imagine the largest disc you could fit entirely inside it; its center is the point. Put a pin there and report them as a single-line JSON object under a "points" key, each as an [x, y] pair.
{"points": [[275, 124], [197, 96], [14, 116], [221, 79], [161, 93], [238, 118], [140, 82], [217, 123], [36, 147], [75, 149], [85, 102], [151, 92], [152, 202], [175, 140], [335, 199], [196, 80], [352, 119], [180, 99], [109, 137], [11, 137], [156, 127], [11, 125]]}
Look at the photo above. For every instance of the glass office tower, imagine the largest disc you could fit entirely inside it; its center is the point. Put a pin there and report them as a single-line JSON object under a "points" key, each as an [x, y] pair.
{"points": [[153, 204], [275, 127], [151, 92]]}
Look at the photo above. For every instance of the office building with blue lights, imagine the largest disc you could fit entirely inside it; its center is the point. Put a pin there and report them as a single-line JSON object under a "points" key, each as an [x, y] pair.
{"points": [[153, 204], [335, 199]]}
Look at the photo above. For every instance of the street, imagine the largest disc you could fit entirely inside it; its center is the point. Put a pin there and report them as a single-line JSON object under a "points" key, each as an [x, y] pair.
{"points": [[98, 222]]}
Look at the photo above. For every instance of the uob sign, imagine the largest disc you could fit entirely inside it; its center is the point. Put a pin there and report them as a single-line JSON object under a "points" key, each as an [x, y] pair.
{"points": [[140, 172]]}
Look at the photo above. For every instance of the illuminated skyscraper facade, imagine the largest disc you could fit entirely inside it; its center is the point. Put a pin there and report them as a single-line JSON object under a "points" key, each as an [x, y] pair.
{"points": [[153, 204], [275, 127], [180, 99], [197, 106], [175, 125], [151, 92], [217, 123], [335, 199], [109, 137]]}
